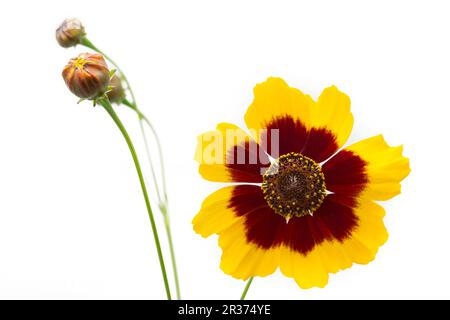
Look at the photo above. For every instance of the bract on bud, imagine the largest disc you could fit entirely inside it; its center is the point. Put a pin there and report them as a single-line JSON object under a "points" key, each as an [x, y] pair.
{"points": [[70, 33], [116, 93], [87, 75]]}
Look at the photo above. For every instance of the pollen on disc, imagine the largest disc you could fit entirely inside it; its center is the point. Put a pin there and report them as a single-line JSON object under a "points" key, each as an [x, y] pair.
{"points": [[294, 185]]}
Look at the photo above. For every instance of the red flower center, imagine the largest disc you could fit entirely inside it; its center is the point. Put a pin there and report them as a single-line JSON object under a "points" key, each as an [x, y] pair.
{"points": [[294, 185]]}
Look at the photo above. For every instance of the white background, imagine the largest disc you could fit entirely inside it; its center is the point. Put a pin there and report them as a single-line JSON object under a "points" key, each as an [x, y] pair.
{"points": [[72, 219]]}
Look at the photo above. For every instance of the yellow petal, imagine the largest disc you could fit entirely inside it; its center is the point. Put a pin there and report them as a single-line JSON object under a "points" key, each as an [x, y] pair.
{"points": [[386, 167], [333, 256], [308, 271], [332, 112], [242, 259], [363, 244], [275, 99], [312, 269], [215, 213]]}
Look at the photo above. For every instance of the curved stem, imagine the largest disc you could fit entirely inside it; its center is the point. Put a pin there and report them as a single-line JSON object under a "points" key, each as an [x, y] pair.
{"points": [[149, 157], [107, 105], [163, 205], [163, 201], [133, 104], [172, 251], [142, 117], [247, 286], [161, 160]]}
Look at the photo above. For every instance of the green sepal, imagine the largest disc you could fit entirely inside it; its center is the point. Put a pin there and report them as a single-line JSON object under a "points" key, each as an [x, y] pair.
{"points": [[108, 89]]}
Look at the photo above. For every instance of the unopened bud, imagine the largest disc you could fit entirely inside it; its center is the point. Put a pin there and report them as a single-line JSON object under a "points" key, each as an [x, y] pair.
{"points": [[116, 94], [70, 33], [87, 75]]}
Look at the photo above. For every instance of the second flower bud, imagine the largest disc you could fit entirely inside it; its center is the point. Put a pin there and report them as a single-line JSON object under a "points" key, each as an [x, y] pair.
{"points": [[116, 93]]}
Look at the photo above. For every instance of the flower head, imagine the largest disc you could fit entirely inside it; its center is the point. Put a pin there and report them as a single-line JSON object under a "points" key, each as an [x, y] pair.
{"points": [[70, 33], [87, 75], [116, 93], [300, 202]]}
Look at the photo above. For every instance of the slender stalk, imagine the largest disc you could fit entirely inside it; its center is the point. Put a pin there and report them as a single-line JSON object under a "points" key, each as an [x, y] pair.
{"points": [[247, 286], [172, 251], [163, 206], [162, 200], [133, 104], [108, 107], [147, 148]]}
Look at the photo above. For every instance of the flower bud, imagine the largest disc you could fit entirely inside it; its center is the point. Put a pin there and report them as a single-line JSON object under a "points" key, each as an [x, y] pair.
{"points": [[116, 94], [87, 75], [70, 33]]}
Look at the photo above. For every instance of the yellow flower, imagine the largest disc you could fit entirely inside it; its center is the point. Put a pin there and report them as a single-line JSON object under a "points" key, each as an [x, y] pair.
{"points": [[299, 202]]}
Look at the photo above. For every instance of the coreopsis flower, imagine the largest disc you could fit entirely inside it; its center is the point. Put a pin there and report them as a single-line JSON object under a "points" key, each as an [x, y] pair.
{"points": [[116, 93], [298, 201], [70, 33], [87, 75]]}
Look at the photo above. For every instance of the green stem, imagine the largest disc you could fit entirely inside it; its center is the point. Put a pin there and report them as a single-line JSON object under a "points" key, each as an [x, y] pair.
{"points": [[108, 107], [87, 43], [163, 201], [133, 104], [247, 286], [172, 251], [163, 205], [143, 118]]}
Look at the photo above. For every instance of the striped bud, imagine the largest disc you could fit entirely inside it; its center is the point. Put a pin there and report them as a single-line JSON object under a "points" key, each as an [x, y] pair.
{"points": [[87, 75], [70, 33]]}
